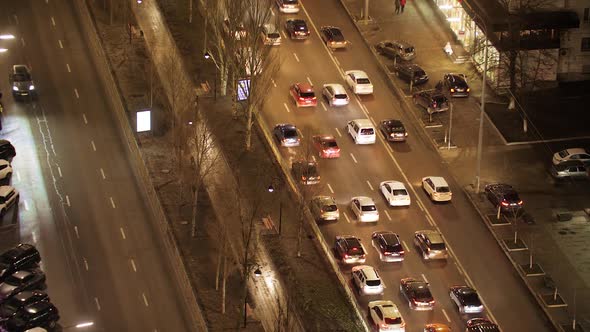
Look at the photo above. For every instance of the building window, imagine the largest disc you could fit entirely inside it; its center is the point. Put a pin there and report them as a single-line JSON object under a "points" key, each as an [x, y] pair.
{"points": [[586, 15], [585, 45]]}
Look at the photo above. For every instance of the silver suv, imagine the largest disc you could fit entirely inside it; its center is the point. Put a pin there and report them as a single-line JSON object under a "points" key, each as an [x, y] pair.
{"points": [[324, 208], [431, 244]]}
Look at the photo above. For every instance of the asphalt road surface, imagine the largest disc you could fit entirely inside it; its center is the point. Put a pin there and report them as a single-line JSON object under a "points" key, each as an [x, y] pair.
{"points": [[476, 258], [80, 203]]}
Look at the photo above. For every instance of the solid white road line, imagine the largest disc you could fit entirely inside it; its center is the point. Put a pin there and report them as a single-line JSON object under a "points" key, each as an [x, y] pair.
{"points": [[324, 106], [52, 21], [93, 146], [145, 301], [85, 120], [60, 44], [338, 131], [133, 265], [76, 231], [446, 316], [25, 204], [309, 80], [387, 214], [330, 188], [102, 173], [353, 158], [420, 205], [122, 233], [97, 303], [34, 235], [68, 67], [370, 186], [76, 92], [68, 200], [59, 171], [85, 263], [112, 202], [430, 221], [313, 157], [346, 217], [295, 55], [18, 176], [287, 107]]}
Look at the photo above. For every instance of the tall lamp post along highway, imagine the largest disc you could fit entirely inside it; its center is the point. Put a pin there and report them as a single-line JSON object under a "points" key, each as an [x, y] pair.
{"points": [[272, 189]]}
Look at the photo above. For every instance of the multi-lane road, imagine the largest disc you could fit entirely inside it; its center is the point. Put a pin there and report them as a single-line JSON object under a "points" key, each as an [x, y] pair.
{"points": [[80, 203], [475, 258]]}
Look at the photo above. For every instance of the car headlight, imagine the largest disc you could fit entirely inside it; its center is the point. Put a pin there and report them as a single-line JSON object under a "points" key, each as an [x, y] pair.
{"points": [[14, 88], [31, 87]]}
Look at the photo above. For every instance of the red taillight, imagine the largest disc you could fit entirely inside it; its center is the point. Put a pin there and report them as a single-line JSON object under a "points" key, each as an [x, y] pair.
{"points": [[301, 99], [346, 256]]}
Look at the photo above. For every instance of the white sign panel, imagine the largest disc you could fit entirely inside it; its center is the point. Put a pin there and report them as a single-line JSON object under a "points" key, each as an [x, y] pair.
{"points": [[144, 120]]}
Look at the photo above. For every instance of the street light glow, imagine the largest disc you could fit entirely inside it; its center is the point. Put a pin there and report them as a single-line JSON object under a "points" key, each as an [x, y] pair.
{"points": [[6, 37], [2, 50], [85, 324], [207, 55]]}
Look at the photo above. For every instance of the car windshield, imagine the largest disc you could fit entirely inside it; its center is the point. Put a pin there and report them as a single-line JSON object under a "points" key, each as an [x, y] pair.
{"points": [[397, 128], [471, 299], [12, 304], [307, 94], [511, 197], [367, 131], [363, 81], [311, 170], [439, 99], [419, 73], [330, 208], [437, 246], [393, 320], [400, 192], [13, 280], [290, 133], [394, 247], [290, 2], [374, 282], [273, 35], [330, 144], [340, 96], [22, 77], [563, 153], [443, 190], [336, 35], [409, 49], [355, 250], [423, 294], [368, 208]]}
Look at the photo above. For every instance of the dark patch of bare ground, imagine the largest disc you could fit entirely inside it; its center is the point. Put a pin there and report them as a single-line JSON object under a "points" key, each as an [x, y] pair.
{"points": [[312, 287]]}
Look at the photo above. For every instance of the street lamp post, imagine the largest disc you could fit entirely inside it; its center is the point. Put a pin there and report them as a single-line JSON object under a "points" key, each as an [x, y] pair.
{"points": [[207, 57], [272, 189], [481, 115]]}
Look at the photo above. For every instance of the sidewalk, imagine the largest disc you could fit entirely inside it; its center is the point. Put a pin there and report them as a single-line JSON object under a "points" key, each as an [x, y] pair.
{"points": [[560, 248]]}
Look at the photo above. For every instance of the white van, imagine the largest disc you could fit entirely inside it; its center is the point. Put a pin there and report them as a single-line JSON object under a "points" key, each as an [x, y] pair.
{"points": [[362, 131]]}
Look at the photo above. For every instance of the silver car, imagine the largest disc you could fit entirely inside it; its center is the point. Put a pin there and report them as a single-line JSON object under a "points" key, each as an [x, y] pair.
{"points": [[335, 94], [431, 245], [324, 208], [570, 169], [364, 209]]}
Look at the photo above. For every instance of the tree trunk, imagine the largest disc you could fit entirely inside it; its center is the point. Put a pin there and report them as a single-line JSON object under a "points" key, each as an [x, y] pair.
{"points": [[249, 124], [223, 79], [197, 187], [300, 233], [224, 277]]}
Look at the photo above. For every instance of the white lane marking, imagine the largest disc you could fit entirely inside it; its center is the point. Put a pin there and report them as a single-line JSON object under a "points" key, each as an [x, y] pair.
{"points": [[429, 218], [18, 176], [112, 202], [68, 200], [22, 41], [353, 158], [85, 120], [338, 131], [309, 80], [145, 301], [372, 120], [68, 67], [273, 82], [122, 233], [364, 108], [424, 277], [387, 214], [102, 173], [359, 102], [52, 21], [34, 235], [313, 157], [97, 303], [59, 171], [300, 133], [446, 316], [295, 55], [85, 263], [60, 44], [370, 186], [420, 204], [93, 146], [287, 108], [272, 12], [330, 188], [406, 248], [15, 18], [284, 34], [324, 106], [26, 205], [346, 217], [76, 231], [76, 92], [133, 265]]}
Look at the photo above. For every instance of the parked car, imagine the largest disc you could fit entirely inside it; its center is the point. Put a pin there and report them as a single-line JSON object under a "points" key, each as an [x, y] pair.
{"points": [[432, 101], [349, 249], [364, 209], [367, 280], [358, 81], [409, 72], [21, 80], [571, 154], [8, 197], [20, 281], [573, 169], [20, 257], [393, 130], [333, 37], [501, 194], [286, 134], [395, 193], [297, 29], [455, 85], [437, 188], [388, 245], [437, 328], [21, 300], [395, 48], [7, 151], [303, 95], [386, 316], [417, 293], [39, 314], [361, 131], [326, 146], [305, 172], [466, 299], [5, 170], [430, 244], [288, 6], [335, 94], [324, 208], [271, 35]]}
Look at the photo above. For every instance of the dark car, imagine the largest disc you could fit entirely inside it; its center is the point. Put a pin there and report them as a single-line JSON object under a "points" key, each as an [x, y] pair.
{"points": [[410, 72], [389, 246], [21, 300], [466, 299], [501, 194], [349, 249], [481, 325], [7, 151], [297, 29], [286, 134], [417, 293], [305, 172], [455, 85], [393, 130], [431, 100], [21, 81], [333, 37], [21, 281], [20, 257], [394, 48], [40, 314]]}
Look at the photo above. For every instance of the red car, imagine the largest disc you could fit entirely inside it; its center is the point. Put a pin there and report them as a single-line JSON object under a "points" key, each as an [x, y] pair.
{"points": [[303, 95], [326, 146]]}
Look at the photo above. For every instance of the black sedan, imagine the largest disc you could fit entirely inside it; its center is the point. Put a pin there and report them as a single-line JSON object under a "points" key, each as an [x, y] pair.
{"points": [[297, 29], [39, 314], [455, 85], [18, 258], [20, 300], [432, 101], [417, 293], [305, 172], [393, 130], [466, 299], [333, 37], [503, 195], [21, 281]]}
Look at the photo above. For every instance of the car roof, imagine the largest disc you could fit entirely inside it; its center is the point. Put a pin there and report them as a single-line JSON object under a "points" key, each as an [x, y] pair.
{"points": [[338, 88], [363, 122], [17, 251], [4, 162], [21, 274], [4, 142], [500, 186], [364, 200], [395, 184], [286, 126], [20, 69], [438, 181], [297, 21], [393, 122], [369, 271], [432, 235], [357, 73], [326, 199], [411, 66], [576, 151], [25, 295], [464, 290], [305, 87], [5, 190], [36, 307], [324, 138]]}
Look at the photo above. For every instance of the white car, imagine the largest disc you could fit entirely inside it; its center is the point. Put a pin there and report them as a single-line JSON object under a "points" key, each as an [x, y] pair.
{"points": [[395, 193], [386, 316], [571, 154], [5, 170], [364, 209], [359, 82], [437, 188], [288, 6], [8, 197], [270, 35], [367, 280], [335, 94]]}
